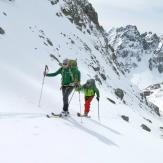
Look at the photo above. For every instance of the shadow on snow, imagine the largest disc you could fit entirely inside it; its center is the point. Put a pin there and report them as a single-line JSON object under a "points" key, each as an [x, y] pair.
{"points": [[95, 134]]}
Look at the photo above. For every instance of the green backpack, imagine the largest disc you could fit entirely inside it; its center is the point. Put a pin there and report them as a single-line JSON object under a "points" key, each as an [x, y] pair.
{"points": [[73, 69], [72, 63]]}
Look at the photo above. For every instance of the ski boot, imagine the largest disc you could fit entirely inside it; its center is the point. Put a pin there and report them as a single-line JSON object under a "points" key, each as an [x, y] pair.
{"points": [[65, 113]]}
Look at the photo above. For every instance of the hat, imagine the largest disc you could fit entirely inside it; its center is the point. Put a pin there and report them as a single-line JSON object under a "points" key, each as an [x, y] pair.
{"points": [[65, 61]]}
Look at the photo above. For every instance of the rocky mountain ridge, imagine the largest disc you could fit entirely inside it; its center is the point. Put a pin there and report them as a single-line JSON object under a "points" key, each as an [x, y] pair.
{"points": [[131, 48]]}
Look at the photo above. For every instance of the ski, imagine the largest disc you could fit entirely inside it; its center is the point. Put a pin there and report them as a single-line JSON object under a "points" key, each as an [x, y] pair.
{"points": [[82, 115], [53, 115], [57, 115]]}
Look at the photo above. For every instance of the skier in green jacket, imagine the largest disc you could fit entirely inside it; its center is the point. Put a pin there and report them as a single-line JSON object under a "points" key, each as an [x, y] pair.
{"points": [[89, 89], [70, 79]]}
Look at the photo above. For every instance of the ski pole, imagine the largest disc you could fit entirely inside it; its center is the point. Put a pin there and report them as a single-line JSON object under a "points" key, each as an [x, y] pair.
{"points": [[71, 98], [80, 107], [98, 111], [46, 69]]}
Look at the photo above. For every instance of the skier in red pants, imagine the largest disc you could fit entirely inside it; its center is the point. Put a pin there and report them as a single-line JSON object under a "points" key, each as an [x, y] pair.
{"points": [[89, 89]]}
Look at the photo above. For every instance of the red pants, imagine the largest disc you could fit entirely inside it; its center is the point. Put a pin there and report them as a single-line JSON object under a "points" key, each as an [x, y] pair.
{"points": [[88, 103]]}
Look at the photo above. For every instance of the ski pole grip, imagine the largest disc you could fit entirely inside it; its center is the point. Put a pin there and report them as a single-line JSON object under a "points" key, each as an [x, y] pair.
{"points": [[46, 68]]}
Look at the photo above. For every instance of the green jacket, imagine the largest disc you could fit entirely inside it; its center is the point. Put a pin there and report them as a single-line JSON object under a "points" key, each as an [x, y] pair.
{"points": [[89, 91], [69, 75]]}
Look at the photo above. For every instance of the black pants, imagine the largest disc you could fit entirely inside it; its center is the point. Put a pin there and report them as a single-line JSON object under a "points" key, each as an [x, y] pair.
{"points": [[66, 91]]}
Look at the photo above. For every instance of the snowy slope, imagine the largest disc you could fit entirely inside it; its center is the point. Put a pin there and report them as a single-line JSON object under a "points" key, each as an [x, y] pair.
{"points": [[26, 134]]}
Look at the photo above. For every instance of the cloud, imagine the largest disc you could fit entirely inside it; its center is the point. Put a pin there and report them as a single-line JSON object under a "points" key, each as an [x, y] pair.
{"points": [[129, 4], [145, 14]]}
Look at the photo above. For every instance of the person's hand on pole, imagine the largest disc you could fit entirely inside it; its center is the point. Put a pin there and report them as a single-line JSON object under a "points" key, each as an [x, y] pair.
{"points": [[46, 70], [97, 98]]}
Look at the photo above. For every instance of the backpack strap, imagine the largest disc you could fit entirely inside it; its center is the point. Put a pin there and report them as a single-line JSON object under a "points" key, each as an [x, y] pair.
{"points": [[71, 73]]}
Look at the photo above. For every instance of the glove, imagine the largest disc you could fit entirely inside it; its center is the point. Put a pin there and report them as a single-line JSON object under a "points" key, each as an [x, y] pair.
{"points": [[76, 85], [97, 98]]}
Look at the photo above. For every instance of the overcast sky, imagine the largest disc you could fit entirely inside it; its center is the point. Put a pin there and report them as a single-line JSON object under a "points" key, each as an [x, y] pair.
{"points": [[147, 15]]}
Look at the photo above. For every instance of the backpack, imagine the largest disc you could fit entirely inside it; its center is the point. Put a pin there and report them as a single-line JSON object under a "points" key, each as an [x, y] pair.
{"points": [[73, 69], [72, 63]]}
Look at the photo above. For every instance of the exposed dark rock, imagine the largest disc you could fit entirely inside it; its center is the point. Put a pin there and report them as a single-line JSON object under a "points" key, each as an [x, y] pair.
{"points": [[103, 76], [160, 68], [90, 11], [96, 68], [124, 102], [81, 12], [2, 31], [41, 31], [88, 31], [41, 36], [111, 48], [156, 62], [154, 86], [145, 44], [112, 101], [98, 79], [53, 2], [145, 93], [49, 42], [114, 57], [72, 42], [154, 108], [125, 118], [4, 14], [148, 120], [119, 92], [55, 58], [45, 44], [152, 40], [145, 128]]}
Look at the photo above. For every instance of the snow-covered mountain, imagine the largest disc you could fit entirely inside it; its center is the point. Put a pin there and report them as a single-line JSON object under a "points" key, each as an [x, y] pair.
{"points": [[130, 46], [36, 33], [139, 55]]}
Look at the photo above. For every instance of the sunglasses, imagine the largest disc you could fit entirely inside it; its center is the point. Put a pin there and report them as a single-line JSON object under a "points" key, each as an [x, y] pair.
{"points": [[65, 64]]}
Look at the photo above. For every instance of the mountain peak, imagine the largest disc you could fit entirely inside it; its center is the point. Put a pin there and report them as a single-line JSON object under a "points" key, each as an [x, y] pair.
{"points": [[131, 47], [78, 12]]}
